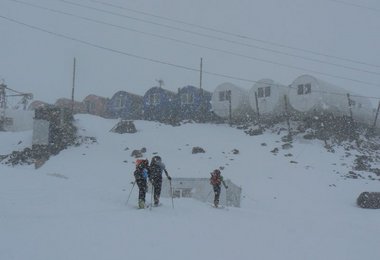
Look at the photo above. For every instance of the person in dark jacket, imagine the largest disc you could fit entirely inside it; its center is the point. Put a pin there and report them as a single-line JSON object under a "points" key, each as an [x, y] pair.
{"points": [[216, 180], [155, 176], [141, 177]]}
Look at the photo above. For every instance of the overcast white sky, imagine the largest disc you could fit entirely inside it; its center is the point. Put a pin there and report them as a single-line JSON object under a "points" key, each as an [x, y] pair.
{"points": [[106, 39]]}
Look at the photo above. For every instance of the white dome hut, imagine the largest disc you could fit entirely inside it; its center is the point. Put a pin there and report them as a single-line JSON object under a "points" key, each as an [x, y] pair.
{"points": [[270, 97], [309, 94], [220, 103]]}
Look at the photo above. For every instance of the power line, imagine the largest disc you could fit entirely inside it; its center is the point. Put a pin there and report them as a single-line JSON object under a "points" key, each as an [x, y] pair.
{"points": [[241, 36], [121, 52], [355, 5], [203, 46], [133, 55]]}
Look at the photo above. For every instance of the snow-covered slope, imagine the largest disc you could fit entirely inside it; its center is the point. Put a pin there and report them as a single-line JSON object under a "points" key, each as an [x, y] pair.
{"points": [[296, 204]]}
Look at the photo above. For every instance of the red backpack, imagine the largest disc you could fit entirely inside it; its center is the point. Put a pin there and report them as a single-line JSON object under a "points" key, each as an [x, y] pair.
{"points": [[143, 162], [215, 178]]}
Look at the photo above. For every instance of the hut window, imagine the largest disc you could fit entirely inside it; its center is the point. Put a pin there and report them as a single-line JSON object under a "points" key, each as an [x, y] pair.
{"points": [[222, 96], [228, 95], [263, 92], [267, 91], [260, 92], [154, 99], [90, 106], [187, 98], [225, 95], [304, 89], [307, 88], [186, 193], [300, 89], [119, 102], [182, 193]]}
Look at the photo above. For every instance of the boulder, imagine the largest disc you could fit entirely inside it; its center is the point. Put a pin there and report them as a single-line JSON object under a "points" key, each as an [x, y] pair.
{"points": [[369, 200]]}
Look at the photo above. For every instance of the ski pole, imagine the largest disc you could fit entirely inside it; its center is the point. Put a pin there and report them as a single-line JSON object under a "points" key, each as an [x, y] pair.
{"points": [[130, 193], [151, 197], [226, 187], [171, 192]]}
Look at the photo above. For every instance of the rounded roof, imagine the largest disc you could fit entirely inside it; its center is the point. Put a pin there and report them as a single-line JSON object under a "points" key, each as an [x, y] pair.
{"points": [[220, 104], [274, 102]]}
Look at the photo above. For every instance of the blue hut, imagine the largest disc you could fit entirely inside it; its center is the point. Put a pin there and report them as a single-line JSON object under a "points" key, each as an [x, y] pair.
{"points": [[161, 105], [194, 103], [125, 105]]}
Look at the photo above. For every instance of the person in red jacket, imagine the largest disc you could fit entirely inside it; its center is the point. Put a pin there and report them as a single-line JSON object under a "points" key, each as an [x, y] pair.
{"points": [[141, 177], [216, 180]]}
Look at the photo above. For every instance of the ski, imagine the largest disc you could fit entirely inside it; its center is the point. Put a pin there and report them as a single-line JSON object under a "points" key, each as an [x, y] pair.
{"points": [[218, 207]]}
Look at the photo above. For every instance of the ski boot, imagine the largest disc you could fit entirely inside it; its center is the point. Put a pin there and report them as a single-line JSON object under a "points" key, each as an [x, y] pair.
{"points": [[141, 204]]}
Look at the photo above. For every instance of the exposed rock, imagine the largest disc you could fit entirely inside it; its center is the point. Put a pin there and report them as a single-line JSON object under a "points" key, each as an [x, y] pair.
{"points": [[275, 150], [235, 151], [137, 154], [370, 200], [197, 149], [253, 132], [124, 126], [287, 146]]}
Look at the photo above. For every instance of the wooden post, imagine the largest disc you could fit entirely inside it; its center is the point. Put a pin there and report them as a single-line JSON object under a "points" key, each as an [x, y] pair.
{"points": [[257, 110], [3, 105], [73, 88], [202, 109], [200, 74], [352, 120], [229, 96], [287, 115], [349, 106], [377, 114], [2, 96]]}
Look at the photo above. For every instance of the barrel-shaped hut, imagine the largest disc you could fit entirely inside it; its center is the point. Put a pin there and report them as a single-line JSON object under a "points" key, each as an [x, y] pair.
{"points": [[230, 100], [125, 105], [77, 106], [36, 104], [311, 95], [268, 97], [161, 105], [195, 103], [96, 105]]}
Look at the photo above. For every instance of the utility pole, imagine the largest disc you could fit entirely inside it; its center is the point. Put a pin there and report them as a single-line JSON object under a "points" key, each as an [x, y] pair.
{"points": [[72, 91], [350, 106], [200, 74], [201, 97], [287, 117], [377, 114], [2, 105], [2, 96], [257, 111], [229, 98]]}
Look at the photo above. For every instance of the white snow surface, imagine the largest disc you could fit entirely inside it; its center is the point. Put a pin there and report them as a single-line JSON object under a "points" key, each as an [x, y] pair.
{"points": [[73, 207]]}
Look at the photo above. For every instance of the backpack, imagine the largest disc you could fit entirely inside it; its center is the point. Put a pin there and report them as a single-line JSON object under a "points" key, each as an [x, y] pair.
{"points": [[141, 171], [216, 178], [141, 163]]}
